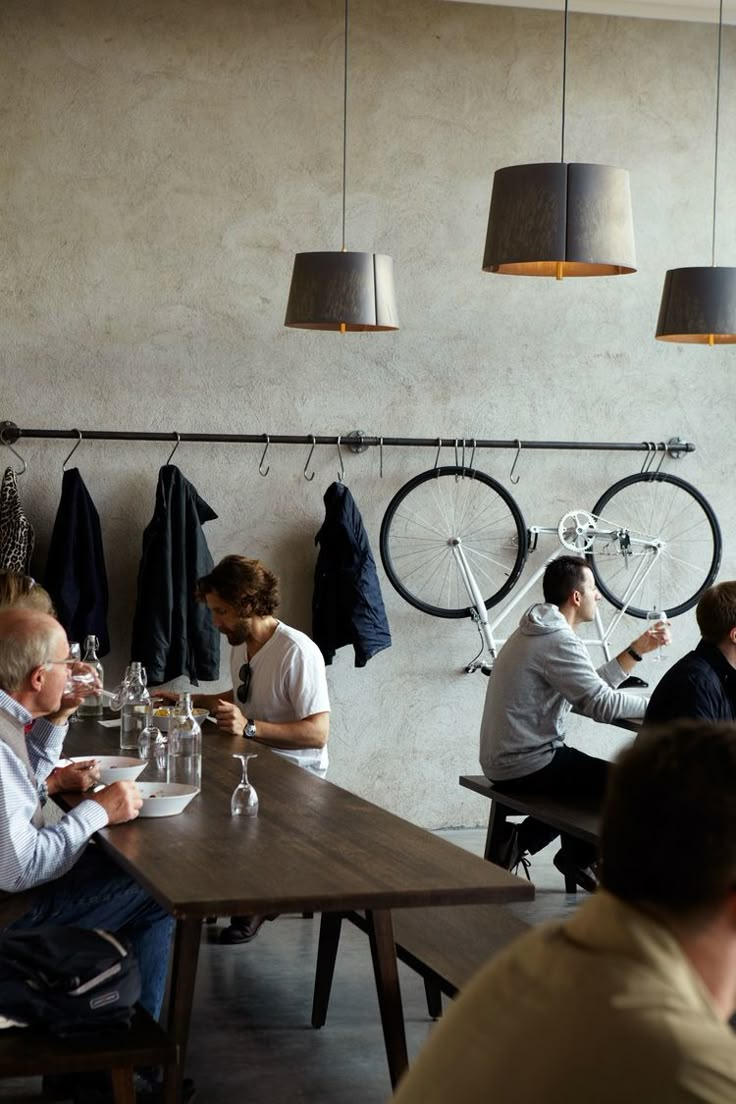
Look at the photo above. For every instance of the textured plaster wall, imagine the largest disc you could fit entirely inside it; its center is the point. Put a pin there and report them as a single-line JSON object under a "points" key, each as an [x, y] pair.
{"points": [[161, 163]]}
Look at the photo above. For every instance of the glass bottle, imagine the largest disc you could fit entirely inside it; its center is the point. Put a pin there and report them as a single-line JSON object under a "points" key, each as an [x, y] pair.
{"points": [[134, 709], [185, 745], [92, 704], [153, 747]]}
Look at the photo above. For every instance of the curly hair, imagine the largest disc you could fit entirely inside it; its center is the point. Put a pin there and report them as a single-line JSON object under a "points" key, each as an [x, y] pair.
{"points": [[245, 584]]}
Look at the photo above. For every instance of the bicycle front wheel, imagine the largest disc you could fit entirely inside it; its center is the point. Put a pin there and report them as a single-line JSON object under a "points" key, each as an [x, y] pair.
{"points": [[429, 516], [655, 507]]}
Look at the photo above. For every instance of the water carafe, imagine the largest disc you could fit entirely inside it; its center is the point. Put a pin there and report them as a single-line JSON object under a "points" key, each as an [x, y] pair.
{"points": [[92, 704], [134, 709], [185, 745]]}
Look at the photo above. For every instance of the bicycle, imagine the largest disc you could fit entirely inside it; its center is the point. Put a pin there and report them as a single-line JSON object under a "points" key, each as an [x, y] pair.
{"points": [[454, 542]]}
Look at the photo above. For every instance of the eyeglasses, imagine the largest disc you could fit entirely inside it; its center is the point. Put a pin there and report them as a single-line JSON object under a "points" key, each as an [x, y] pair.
{"points": [[68, 661], [245, 675]]}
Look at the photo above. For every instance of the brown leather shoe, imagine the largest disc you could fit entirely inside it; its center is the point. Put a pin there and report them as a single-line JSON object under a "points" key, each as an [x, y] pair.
{"points": [[242, 929]]}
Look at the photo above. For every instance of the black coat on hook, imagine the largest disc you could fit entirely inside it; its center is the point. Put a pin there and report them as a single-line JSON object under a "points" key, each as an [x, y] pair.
{"points": [[347, 607]]}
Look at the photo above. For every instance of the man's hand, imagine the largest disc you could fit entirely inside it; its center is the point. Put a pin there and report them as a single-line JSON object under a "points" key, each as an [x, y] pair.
{"points": [[655, 636], [121, 801], [229, 718], [73, 777]]}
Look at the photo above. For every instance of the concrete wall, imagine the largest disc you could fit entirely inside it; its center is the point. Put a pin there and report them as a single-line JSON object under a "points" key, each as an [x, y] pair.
{"points": [[161, 163]]}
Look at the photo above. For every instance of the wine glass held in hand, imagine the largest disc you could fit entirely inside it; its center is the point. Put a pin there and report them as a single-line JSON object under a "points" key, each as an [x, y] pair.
{"points": [[244, 801], [659, 627]]}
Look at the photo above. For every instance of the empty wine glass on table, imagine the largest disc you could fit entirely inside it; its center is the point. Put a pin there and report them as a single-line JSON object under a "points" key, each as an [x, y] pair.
{"points": [[244, 801], [657, 618]]}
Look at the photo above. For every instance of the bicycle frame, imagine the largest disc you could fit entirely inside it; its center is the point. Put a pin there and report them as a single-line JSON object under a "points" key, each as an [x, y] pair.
{"points": [[603, 640]]}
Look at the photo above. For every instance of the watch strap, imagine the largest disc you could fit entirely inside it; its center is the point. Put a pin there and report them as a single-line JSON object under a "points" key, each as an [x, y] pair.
{"points": [[634, 654]]}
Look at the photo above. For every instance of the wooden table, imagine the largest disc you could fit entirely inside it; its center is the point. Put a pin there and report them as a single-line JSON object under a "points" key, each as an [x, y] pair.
{"points": [[312, 847]]}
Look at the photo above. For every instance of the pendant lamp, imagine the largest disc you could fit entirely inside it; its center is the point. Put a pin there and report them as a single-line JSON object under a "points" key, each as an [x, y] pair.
{"points": [[342, 290], [699, 304], [559, 219]]}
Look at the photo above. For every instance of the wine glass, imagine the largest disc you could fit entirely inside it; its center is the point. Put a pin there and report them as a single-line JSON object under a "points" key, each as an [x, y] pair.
{"points": [[244, 801], [655, 617]]}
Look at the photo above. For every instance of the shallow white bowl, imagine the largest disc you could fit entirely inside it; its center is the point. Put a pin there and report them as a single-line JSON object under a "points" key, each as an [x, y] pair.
{"points": [[114, 768], [162, 799], [163, 722]]}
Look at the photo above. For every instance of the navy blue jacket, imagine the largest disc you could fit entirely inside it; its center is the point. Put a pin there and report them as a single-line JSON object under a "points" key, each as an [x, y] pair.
{"points": [[347, 607], [701, 685], [173, 633], [75, 571]]}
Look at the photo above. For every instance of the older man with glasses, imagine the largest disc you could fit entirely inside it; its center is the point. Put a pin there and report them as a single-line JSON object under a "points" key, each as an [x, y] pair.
{"points": [[48, 874], [279, 696]]}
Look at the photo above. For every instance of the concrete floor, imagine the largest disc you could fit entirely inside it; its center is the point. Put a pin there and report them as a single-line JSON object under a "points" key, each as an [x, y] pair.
{"points": [[251, 1039]]}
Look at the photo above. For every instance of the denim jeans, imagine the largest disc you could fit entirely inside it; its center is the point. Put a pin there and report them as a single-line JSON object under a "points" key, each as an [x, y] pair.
{"points": [[97, 894]]}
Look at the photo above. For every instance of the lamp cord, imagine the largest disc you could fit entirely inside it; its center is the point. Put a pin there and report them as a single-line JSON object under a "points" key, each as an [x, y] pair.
{"points": [[564, 82], [345, 123], [718, 113]]}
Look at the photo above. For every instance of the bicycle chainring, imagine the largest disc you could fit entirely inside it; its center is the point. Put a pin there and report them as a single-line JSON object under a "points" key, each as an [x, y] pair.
{"points": [[577, 531]]}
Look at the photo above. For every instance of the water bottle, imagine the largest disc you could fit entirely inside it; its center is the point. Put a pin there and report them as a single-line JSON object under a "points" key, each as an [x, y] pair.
{"points": [[134, 709], [92, 704], [185, 745], [153, 747]]}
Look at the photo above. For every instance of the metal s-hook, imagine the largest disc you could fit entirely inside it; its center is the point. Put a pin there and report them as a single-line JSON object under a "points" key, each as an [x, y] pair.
{"points": [[437, 454], [648, 459], [13, 450], [516, 461], [309, 478], [260, 465], [341, 473], [380, 457], [178, 442], [472, 455], [74, 448], [662, 458]]}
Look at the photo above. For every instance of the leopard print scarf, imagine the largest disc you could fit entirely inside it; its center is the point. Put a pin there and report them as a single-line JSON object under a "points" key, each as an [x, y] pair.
{"points": [[16, 532]]}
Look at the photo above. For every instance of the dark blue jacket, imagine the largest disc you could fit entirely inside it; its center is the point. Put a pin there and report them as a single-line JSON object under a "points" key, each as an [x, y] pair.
{"points": [[173, 633], [347, 607], [75, 571], [701, 685]]}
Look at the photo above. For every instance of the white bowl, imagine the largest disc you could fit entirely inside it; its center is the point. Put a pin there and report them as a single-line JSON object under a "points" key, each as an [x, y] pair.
{"points": [[114, 768], [162, 717], [162, 799]]}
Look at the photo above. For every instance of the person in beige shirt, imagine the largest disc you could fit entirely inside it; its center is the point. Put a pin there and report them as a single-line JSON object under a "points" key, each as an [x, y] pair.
{"points": [[629, 999]]}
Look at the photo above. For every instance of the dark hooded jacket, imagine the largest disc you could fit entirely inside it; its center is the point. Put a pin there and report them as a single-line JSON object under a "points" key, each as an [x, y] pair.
{"points": [[347, 607], [173, 633]]}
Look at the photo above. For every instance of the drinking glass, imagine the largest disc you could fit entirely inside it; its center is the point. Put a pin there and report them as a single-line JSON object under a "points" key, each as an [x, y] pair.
{"points": [[153, 747], [654, 617], [244, 801], [75, 652]]}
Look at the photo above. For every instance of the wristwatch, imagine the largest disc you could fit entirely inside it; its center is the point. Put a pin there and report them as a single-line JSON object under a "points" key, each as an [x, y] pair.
{"points": [[633, 653], [249, 732]]}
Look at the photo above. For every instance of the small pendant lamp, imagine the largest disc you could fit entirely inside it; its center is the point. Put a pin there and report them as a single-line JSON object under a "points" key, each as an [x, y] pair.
{"points": [[560, 219], [342, 290], [699, 304]]}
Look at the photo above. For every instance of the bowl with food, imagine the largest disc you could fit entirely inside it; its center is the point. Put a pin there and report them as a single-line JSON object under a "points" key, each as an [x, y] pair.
{"points": [[114, 768], [163, 716], [162, 799]]}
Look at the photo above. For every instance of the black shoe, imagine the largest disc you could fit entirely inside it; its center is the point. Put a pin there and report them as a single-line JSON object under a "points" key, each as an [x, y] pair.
{"points": [[148, 1087], [242, 929], [512, 854], [585, 877]]}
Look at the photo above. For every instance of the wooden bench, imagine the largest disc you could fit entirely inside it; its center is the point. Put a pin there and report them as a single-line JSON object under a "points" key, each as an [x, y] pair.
{"points": [[573, 816], [445, 945], [31, 1052]]}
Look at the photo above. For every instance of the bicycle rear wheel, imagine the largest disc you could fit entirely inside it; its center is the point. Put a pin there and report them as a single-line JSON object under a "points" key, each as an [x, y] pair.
{"points": [[658, 507], [432, 512]]}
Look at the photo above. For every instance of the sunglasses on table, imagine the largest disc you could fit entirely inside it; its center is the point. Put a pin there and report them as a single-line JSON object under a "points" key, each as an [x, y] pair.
{"points": [[246, 677]]}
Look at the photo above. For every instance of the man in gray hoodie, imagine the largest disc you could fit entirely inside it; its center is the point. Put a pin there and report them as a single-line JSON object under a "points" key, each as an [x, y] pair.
{"points": [[542, 671]]}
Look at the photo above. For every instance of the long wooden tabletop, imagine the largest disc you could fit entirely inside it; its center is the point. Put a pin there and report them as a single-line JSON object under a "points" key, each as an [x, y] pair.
{"points": [[313, 846]]}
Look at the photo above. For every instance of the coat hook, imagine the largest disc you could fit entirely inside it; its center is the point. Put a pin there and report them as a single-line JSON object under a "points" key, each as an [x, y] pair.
{"points": [[260, 466], [437, 454], [74, 448], [341, 473], [648, 459], [516, 461], [309, 478], [662, 458], [14, 452], [178, 442], [472, 455], [380, 457]]}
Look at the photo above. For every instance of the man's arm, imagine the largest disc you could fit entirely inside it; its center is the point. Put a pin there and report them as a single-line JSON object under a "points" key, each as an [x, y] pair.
{"points": [[568, 668], [309, 732]]}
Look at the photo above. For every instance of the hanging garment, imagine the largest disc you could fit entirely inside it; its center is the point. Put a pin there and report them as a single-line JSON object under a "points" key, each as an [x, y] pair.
{"points": [[75, 570], [173, 633], [16, 532], [347, 607]]}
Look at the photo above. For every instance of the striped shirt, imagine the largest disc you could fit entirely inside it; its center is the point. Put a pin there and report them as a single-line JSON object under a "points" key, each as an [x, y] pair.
{"points": [[29, 855]]}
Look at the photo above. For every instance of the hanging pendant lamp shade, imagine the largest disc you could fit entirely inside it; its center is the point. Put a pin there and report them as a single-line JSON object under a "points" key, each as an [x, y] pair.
{"points": [[557, 219], [342, 291], [698, 306]]}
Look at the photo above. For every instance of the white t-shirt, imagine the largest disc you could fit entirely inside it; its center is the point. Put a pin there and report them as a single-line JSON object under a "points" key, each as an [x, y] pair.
{"points": [[288, 684]]}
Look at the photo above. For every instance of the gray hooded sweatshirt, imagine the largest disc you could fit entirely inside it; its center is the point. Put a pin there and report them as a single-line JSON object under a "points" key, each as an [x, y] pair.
{"points": [[542, 671]]}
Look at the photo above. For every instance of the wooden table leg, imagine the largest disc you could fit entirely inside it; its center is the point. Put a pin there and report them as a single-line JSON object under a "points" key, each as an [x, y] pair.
{"points": [[183, 977], [329, 939], [385, 969]]}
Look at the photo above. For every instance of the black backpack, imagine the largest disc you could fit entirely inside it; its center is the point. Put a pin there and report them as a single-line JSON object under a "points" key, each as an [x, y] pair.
{"points": [[69, 980]]}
